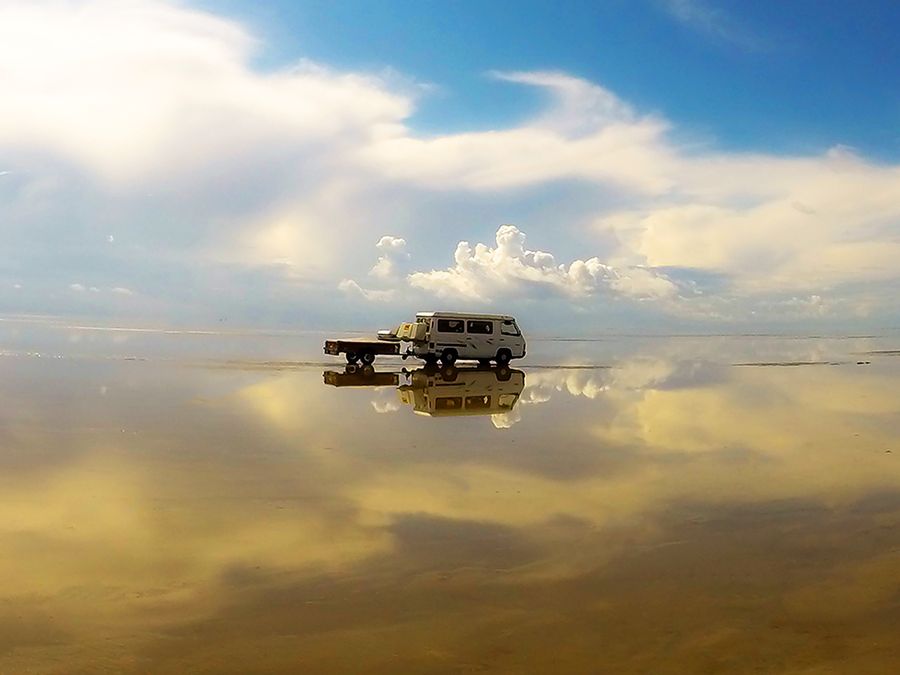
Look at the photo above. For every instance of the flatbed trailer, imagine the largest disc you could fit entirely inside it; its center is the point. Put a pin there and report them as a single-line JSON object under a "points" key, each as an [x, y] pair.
{"points": [[362, 349], [360, 376]]}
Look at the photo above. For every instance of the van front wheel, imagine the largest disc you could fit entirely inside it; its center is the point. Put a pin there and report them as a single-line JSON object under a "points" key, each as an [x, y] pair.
{"points": [[448, 357], [503, 357]]}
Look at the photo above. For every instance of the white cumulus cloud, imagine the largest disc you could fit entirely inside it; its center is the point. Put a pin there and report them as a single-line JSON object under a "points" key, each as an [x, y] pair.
{"points": [[154, 106], [483, 271], [392, 252]]}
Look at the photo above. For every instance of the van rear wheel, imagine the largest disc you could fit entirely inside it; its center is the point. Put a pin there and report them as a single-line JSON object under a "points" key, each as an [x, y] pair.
{"points": [[503, 357], [352, 357], [368, 358], [448, 357]]}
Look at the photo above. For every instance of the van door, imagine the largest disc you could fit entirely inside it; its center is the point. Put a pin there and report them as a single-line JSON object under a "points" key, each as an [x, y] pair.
{"points": [[450, 333], [480, 341]]}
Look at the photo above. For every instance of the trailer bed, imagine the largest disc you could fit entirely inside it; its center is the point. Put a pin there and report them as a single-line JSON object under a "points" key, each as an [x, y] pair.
{"points": [[361, 349]]}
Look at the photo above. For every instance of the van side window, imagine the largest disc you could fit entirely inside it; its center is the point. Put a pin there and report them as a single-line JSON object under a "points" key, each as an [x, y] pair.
{"points": [[507, 401], [481, 327], [509, 328], [478, 402], [448, 403], [451, 326]]}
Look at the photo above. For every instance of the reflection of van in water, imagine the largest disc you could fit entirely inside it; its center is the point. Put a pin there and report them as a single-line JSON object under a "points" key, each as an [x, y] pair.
{"points": [[462, 391]]}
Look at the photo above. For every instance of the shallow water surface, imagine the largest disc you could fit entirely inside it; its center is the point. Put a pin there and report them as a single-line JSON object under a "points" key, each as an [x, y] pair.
{"points": [[183, 503]]}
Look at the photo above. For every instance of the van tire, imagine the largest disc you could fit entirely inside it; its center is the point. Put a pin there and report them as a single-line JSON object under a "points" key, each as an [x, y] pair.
{"points": [[448, 357], [503, 357], [368, 358], [352, 357]]}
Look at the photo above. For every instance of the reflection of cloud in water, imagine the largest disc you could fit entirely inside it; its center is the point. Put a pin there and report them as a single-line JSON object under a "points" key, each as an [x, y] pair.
{"points": [[642, 373], [272, 502], [385, 402], [626, 378], [593, 383], [506, 420], [541, 385]]}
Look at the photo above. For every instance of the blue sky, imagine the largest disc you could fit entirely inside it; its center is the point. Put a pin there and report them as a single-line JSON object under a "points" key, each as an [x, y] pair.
{"points": [[661, 165], [769, 75]]}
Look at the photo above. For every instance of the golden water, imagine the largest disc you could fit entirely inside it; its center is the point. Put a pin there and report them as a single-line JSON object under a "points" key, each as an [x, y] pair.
{"points": [[661, 511]]}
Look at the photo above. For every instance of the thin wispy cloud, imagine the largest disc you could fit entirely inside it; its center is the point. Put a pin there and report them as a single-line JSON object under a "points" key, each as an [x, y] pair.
{"points": [[714, 23]]}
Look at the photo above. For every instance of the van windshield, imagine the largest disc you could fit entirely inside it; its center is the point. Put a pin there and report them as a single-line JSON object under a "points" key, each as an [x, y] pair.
{"points": [[509, 327]]}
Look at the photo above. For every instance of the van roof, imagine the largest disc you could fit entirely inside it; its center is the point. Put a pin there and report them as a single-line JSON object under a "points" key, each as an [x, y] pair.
{"points": [[465, 315]]}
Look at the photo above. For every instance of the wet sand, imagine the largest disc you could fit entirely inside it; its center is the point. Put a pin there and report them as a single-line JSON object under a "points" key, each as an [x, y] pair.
{"points": [[177, 503]]}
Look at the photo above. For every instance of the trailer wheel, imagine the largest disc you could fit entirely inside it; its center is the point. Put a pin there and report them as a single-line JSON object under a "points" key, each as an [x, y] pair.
{"points": [[430, 360], [448, 357], [368, 358], [484, 363], [503, 357], [352, 357]]}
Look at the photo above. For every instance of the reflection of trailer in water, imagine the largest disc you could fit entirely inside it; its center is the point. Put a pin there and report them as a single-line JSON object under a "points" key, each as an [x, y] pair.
{"points": [[360, 376], [462, 391]]}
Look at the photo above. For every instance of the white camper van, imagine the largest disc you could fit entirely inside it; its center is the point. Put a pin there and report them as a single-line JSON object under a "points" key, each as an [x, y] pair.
{"points": [[452, 336], [444, 336]]}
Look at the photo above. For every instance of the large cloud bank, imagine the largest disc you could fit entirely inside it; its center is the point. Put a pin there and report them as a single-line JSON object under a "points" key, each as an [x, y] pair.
{"points": [[142, 150], [510, 267]]}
